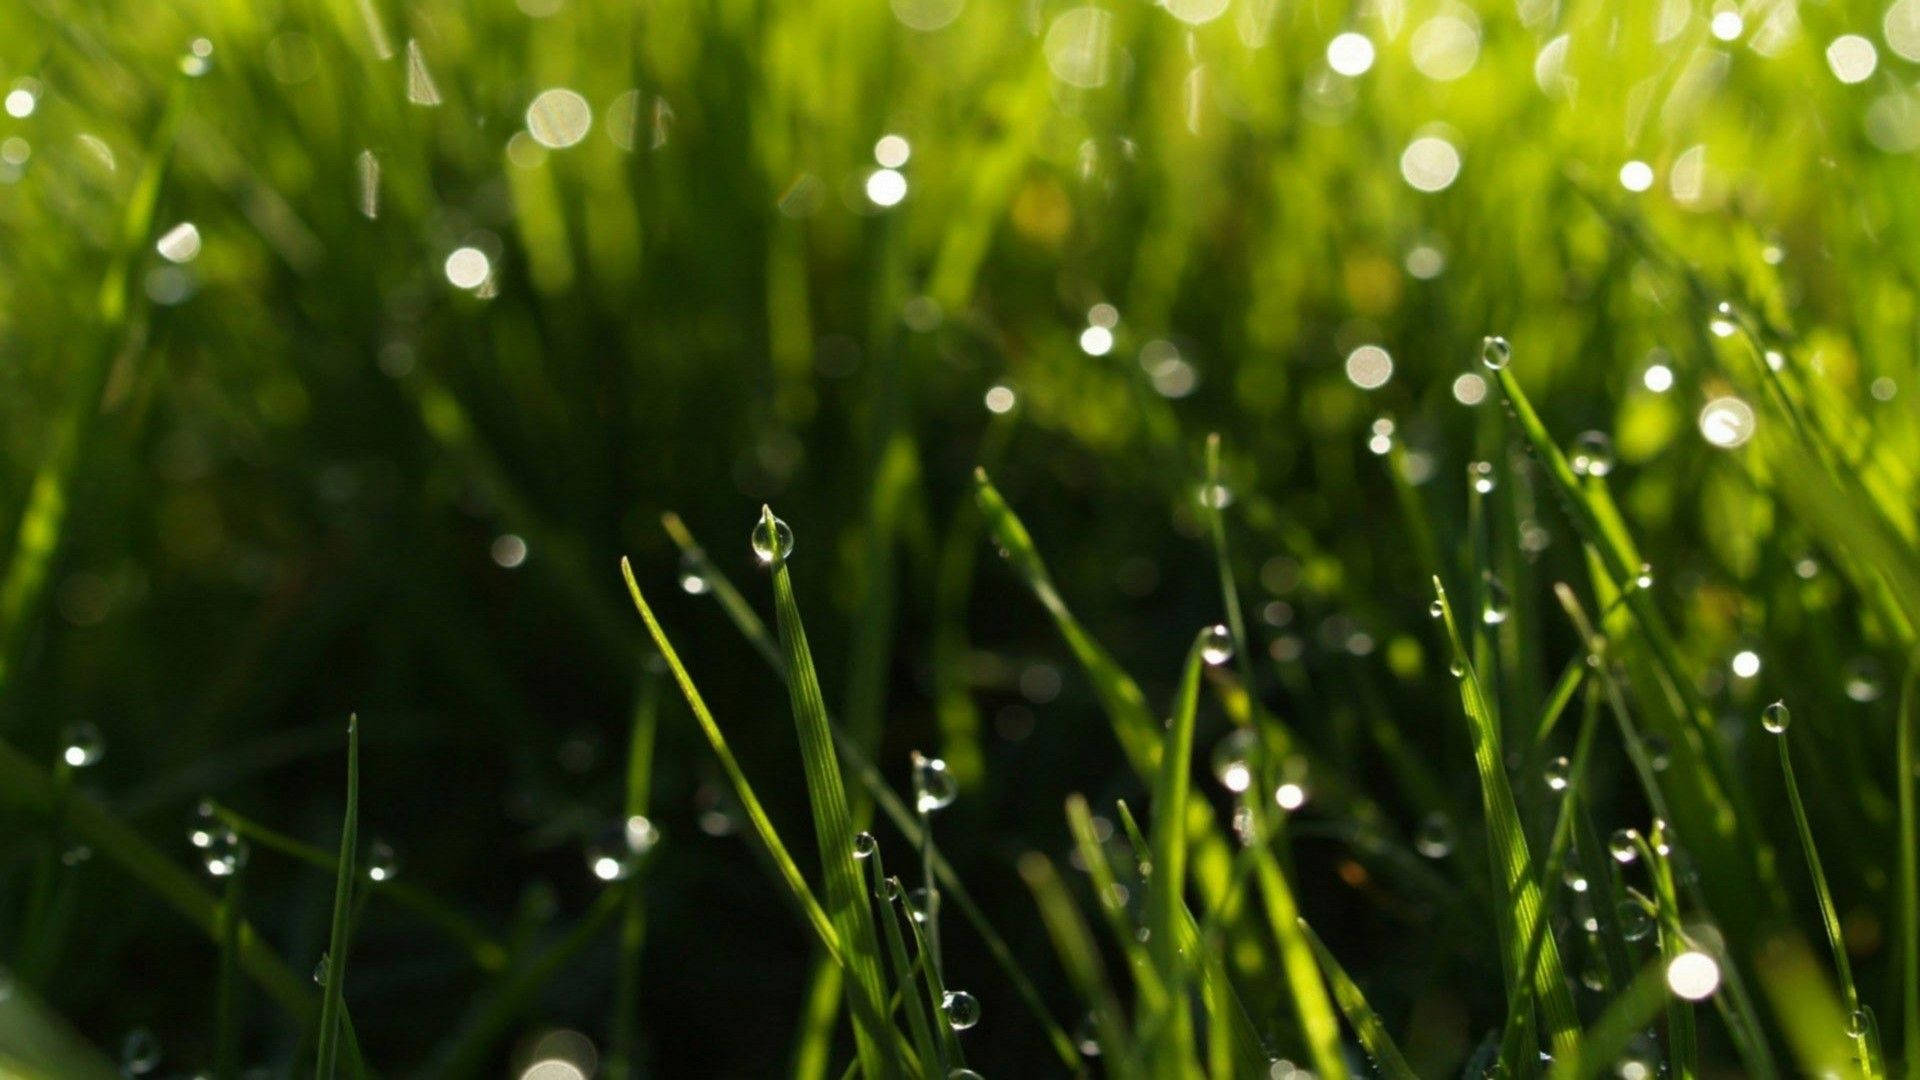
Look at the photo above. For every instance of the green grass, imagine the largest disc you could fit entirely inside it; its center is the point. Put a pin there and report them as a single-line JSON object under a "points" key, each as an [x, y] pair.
{"points": [[1099, 380]]}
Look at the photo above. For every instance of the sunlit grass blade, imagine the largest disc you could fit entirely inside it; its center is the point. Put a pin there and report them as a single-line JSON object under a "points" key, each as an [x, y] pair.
{"points": [[855, 760], [1823, 895], [37, 1044], [1166, 886], [1385, 1055], [1517, 892], [833, 823], [865, 1008], [893, 908], [327, 1042]]}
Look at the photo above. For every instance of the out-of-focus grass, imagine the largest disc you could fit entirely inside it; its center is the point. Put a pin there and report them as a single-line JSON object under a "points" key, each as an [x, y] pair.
{"points": [[371, 434]]}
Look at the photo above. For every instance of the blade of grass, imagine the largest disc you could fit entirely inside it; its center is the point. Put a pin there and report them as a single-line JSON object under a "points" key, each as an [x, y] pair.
{"points": [[893, 895], [742, 615], [1625, 1017], [1829, 917], [1381, 1049], [1908, 895], [1075, 946], [865, 1008], [327, 1049], [1166, 886], [229, 1007], [833, 824], [1514, 879]]}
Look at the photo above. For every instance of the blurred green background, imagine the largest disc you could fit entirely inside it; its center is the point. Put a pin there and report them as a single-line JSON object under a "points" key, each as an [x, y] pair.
{"points": [[345, 345]]}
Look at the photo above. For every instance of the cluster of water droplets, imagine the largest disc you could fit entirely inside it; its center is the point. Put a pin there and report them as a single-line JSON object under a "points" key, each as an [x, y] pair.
{"points": [[222, 849]]}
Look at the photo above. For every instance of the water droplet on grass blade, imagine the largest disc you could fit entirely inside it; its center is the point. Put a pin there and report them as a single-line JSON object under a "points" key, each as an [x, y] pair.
{"points": [[693, 578], [772, 539], [1498, 603], [322, 968], [1592, 454], [934, 788], [864, 845], [1693, 975], [1558, 773], [1480, 475], [1862, 679], [962, 1009], [1233, 759], [1776, 717], [1624, 845], [224, 853], [1859, 1022], [1635, 921], [1435, 838], [180, 244], [81, 745], [382, 861], [1495, 352], [1216, 645], [139, 1053]]}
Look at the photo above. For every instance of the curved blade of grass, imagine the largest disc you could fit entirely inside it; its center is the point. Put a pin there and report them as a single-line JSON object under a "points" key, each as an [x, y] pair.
{"points": [[1386, 1056], [1829, 917], [893, 895], [327, 1051], [833, 824], [1514, 881], [744, 618]]}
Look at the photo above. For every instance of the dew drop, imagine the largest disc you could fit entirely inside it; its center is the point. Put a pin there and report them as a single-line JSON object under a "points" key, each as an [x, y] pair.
{"points": [[1436, 609], [1087, 1037], [1645, 578], [1498, 603], [1859, 1022], [1435, 838], [382, 861], [225, 853], [1495, 352], [180, 244], [693, 577], [1635, 921], [1624, 845], [204, 824], [772, 539], [1457, 669], [919, 904], [322, 969], [139, 1053], [964, 1074], [1480, 476], [1558, 772], [1693, 975], [81, 745], [1861, 679], [1233, 759], [864, 845], [1216, 645], [614, 851], [1776, 717], [933, 786], [962, 1009], [1592, 454]]}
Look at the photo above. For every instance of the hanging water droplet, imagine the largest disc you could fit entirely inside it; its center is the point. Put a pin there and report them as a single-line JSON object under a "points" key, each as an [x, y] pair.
{"points": [[1645, 579], [382, 861], [1624, 845], [1776, 717], [1086, 1037], [693, 578], [202, 826], [1216, 645], [1861, 679], [772, 539], [962, 1009], [1457, 669], [1436, 609], [614, 851], [1558, 773], [139, 1053], [1495, 352], [1722, 323], [920, 903], [81, 745], [1480, 476], [1435, 837], [1592, 454], [1859, 1022], [1233, 759], [1498, 603], [864, 845], [224, 853], [322, 968], [1575, 880], [934, 788], [1635, 921]]}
